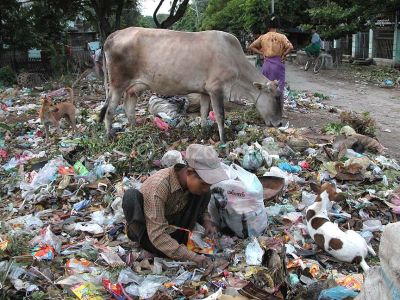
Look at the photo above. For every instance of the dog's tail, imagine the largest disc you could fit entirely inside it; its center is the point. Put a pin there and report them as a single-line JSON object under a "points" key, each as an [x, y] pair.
{"points": [[71, 94]]}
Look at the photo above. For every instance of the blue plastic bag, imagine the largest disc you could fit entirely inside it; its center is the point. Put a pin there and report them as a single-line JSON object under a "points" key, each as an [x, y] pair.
{"points": [[337, 293]]}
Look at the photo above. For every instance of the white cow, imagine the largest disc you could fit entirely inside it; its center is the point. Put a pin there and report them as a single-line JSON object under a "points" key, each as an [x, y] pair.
{"points": [[210, 63]]}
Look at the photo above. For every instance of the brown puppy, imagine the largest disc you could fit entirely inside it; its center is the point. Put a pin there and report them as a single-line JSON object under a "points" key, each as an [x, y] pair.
{"points": [[52, 114]]}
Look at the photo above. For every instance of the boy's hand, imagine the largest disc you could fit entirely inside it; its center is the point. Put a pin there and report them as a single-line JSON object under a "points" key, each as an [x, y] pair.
{"points": [[203, 261]]}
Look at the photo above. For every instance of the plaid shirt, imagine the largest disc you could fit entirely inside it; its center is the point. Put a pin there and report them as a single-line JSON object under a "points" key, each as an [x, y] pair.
{"points": [[164, 196]]}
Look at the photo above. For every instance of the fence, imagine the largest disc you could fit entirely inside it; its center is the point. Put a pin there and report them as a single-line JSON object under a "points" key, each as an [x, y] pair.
{"points": [[384, 42], [77, 60]]}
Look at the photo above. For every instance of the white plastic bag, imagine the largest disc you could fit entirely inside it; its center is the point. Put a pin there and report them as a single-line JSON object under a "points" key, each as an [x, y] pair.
{"points": [[238, 203], [254, 253]]}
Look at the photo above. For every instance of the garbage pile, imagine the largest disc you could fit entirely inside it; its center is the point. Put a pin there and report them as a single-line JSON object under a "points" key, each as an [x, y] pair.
{"points": [[62, 230]]}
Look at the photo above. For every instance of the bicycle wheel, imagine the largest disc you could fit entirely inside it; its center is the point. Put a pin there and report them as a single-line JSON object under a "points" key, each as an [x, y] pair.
{"points": [[308, 64], [318, 64]]}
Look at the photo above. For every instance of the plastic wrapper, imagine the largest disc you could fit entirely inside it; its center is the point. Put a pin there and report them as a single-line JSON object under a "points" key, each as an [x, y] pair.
{"points": [[77, 266], [352, 281], [47, 237], [254, 253], [86, 291], [43, 252], [115, 289], [200, 245], [112, 259], [80, 169], [82, 204]]}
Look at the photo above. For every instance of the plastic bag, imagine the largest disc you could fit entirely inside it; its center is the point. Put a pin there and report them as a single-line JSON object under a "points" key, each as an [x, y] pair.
{"points": [[252, 159], [47, 237], [91, 228], [81, 204], [372, 225], [102, 168], [128, 276], [148, 287], [172, 106], [254, 253], [163, 126], [238, 203], [171, 158], [307, 198], [337, 293], [46, 175]]}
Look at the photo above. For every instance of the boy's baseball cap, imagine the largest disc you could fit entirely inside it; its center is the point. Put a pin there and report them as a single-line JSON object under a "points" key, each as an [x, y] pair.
{"points": [[205, 161]]}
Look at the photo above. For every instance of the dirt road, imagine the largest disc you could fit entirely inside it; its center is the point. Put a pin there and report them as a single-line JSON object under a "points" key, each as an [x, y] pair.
{"points": [[383, 104]]}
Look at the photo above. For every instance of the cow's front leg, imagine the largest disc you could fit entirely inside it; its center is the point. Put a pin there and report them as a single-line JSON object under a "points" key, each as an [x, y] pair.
{"points": [[217, 101], [130, 109], [204, 109], [112, 105]]}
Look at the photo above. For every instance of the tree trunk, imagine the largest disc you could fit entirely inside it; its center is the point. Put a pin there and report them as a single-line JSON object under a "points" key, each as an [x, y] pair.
{"points": [[174, 14]]}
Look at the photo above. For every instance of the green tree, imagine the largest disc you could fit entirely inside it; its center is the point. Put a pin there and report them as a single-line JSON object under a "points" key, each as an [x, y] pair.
{"points": [[255, 15], [336, 18], [224, 15], [188, 22]]}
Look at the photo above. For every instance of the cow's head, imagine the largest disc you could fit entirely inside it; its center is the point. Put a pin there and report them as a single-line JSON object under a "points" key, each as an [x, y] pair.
{"points": [[269, 102]]}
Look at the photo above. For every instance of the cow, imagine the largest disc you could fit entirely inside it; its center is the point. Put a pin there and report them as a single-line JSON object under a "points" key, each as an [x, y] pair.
{"points": [[209, 63]]}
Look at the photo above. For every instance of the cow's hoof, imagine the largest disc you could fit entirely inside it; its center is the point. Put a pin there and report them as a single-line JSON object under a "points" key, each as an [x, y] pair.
{"points": [[111, 135]]}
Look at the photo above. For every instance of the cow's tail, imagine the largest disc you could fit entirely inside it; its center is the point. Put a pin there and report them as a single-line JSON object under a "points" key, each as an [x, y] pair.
{"points": [[106, 76]]}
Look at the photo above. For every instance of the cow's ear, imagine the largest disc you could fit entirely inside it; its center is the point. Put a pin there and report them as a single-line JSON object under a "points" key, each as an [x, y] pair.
{"points": [[272, 86], [258, 85]]}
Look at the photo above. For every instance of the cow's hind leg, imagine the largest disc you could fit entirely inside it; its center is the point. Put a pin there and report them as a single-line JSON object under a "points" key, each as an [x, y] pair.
{"points": [[217, 101], [115, 95], [130, 108]]}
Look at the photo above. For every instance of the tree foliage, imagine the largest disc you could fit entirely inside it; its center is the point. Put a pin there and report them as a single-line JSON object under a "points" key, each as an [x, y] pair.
{"points": [[251, 15], [336, 18]]}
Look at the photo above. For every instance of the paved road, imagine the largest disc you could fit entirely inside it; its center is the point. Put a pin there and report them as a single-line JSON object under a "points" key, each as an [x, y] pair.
{"points": [[383, 104]]}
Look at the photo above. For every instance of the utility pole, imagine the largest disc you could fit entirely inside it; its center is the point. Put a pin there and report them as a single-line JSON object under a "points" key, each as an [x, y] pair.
{"points": [[272, 6]]}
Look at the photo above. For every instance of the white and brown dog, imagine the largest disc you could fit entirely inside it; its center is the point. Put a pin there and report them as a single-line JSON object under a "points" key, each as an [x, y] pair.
{"points": [[346, 246]]}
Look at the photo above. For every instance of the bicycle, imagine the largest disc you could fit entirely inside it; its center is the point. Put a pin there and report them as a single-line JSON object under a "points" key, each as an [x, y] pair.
{"points": [[317, 61]]}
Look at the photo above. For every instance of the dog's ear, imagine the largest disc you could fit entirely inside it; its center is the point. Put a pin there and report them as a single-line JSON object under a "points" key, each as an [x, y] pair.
{"points": [[339, 197], [315, 187]]}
